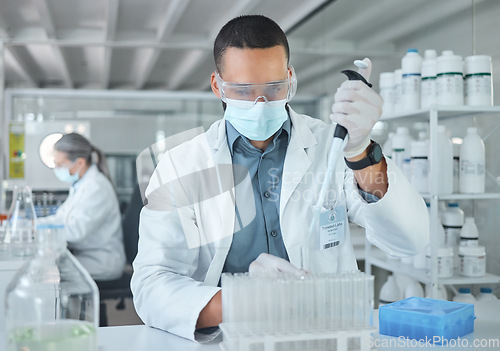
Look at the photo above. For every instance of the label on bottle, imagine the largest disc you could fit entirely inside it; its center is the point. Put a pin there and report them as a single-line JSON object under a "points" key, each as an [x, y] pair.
{"points": [[420, 173], [472, 266], [469, 167], [410, 84], [398, 156], [428, 91], [450, 88], [478, 85], [451, 235]]}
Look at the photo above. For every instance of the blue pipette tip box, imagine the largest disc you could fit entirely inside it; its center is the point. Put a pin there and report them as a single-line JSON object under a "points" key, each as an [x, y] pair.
{"points": [[426, 319]]}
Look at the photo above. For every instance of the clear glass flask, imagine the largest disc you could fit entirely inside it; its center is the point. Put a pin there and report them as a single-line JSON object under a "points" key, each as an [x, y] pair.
{"points": [[52, 303], [20, 229]]}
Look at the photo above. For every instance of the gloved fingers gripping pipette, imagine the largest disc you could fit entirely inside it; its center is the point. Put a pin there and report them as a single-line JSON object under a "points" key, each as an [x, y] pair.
{"points": [[355, 111], [357, 107]]}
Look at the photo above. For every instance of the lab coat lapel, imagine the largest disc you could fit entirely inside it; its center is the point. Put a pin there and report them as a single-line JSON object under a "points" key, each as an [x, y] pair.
{"points": [[225, 203], [297, 162]]}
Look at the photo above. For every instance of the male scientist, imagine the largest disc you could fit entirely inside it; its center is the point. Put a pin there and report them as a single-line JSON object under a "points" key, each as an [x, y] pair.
{"points": [[242, 195]]}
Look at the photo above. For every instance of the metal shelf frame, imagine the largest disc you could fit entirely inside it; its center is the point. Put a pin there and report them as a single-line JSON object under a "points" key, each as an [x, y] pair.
{"points": [[432, 115]]}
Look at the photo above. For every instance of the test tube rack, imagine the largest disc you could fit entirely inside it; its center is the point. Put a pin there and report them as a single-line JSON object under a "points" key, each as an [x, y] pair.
{"points": [[288, 312]]}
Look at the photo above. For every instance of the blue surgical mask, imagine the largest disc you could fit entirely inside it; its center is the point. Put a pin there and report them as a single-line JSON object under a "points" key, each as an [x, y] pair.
{"points": [[256, 120], [64, 176]]}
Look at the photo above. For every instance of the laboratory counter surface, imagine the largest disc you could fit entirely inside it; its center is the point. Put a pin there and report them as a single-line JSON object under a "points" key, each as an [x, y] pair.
{"points": [[486, 336]]}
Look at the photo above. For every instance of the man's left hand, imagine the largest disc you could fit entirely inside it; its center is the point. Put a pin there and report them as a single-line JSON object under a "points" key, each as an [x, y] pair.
{"points": [[357, 107]]}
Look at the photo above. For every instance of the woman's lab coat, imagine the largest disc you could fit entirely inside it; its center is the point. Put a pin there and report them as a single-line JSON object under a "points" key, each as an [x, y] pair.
{"points": [[92, 225], [183, 245]]}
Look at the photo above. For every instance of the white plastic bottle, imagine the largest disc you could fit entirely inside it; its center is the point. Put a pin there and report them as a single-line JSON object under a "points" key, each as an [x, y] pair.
{"points": [[486, 294], [464, 296], [444, 180], [411, 67], [472, 261], [457, 143], [413, 288], [389, 292], [428, 86], [444, 260], [469, 234], [441, 293], [419, 163], [453, 220], [401, 146], [387, 92], [387, 147], [449, 79], [398, 76], [472, 163], [478, 81]]}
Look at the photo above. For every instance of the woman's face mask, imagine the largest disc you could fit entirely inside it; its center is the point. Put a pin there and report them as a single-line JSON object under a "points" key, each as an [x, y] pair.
{"points": [[63, 174]]}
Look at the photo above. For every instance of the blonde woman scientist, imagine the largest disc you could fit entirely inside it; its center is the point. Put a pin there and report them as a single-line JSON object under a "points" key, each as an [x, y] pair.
{"points": [[90, 214]]}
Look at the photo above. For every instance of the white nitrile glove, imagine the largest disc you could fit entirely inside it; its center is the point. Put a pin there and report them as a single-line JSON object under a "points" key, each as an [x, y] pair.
{"points": [[357, 107], [269, 265]]}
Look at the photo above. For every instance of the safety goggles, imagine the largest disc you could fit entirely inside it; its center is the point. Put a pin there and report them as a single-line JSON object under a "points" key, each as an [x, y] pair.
{"points": [[271, 91]]}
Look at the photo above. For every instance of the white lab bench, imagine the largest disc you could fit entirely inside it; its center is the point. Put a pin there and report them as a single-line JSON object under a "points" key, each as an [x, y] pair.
{"points": [[140, 337]]}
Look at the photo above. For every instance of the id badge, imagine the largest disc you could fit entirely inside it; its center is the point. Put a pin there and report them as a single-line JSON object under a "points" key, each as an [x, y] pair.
{"points": [[332, 227]]}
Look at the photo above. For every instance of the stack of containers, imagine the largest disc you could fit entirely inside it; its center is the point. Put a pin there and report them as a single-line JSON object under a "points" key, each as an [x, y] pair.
{"points": [[446, 80]]}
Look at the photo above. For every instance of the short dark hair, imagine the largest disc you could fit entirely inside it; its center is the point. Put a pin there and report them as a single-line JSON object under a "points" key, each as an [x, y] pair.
{"points": [[249, 31]]}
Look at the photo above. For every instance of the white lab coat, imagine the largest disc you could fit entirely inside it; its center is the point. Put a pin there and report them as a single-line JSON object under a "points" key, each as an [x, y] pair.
{"points": [[182, 251], [92, 225]]}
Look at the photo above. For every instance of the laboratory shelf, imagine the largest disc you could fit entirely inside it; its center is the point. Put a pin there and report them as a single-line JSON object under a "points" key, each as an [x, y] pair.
{"points": [[433, 115], [396, 266], [488, 278], [484, 196], [379, 259], [444, 112]]}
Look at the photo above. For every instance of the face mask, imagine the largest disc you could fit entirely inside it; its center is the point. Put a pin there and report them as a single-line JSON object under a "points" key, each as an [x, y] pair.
{"points": [[64, 176], [256, 120]]}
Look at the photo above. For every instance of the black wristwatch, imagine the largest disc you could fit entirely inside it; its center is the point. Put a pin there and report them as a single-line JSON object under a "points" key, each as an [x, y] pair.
{"points": [[373, 157]]}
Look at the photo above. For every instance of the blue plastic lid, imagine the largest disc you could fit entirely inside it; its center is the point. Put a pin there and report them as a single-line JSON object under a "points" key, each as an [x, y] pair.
{"points": [[464, 290], [485, 289], [453, 204], [49, 226], [412, 50]]}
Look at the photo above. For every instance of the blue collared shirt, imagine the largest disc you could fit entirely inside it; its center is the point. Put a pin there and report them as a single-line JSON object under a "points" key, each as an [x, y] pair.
{"points": [[265, 168]]}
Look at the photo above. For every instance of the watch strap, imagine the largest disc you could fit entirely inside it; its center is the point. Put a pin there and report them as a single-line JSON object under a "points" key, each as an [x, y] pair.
{"points": [[368, 161]]}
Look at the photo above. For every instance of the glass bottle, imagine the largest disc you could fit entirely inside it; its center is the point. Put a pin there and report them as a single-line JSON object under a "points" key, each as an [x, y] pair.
{"points": [[20, 231], [52, 303]]}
